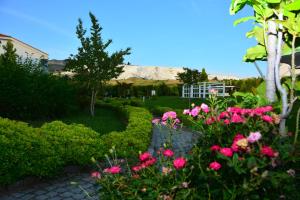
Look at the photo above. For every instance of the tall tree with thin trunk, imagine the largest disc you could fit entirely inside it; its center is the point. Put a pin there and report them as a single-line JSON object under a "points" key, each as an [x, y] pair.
{"points": [[93, 65], [271, 16]]}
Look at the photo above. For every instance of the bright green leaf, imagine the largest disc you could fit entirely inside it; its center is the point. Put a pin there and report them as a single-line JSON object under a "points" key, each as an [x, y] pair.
{"points": [[295, 6], [273, 1], [257, 52], [236, 6], [242, 20], [258, 33]]}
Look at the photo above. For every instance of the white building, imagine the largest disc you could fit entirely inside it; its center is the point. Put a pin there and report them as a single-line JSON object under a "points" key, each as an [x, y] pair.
{"points": [[22, 49]]}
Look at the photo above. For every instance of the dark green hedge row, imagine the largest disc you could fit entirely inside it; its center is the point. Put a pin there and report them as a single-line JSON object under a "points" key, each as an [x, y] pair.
{"points": [[42, 152], [137, 135]]}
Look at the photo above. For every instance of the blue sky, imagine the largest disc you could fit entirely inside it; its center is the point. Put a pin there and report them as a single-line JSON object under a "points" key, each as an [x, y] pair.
{"points": [[175, 33]]}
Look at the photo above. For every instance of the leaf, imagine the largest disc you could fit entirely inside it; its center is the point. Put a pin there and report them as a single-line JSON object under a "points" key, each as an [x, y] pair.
{"points": [[295, 6], [273, 1], [258, 33], [236, 6], [257, 52], [242, 20]]}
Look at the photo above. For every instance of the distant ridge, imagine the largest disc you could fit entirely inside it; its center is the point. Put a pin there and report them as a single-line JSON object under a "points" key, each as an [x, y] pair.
{"points": [[161, 73], [143, 72]]}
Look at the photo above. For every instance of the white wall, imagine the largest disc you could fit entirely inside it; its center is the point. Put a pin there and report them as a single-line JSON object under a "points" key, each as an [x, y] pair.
{"points": [[24, 50]]}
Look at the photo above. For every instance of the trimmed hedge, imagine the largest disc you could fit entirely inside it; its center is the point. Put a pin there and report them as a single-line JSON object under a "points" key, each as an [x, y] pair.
{"points": [[137, 134], [42, 152]]}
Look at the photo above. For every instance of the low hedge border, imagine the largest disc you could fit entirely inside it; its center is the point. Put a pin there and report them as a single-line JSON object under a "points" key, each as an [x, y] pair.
{"points": [[42, 152]]}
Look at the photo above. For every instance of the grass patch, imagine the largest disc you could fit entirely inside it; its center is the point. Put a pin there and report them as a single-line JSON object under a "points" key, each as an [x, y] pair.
{"points": [[105, 120], [174, 102]]}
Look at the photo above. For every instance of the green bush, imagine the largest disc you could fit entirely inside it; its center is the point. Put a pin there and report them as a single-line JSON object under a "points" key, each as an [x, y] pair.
{"points": [[42, 152], [137, 135], [33, 94], [25, 152]]}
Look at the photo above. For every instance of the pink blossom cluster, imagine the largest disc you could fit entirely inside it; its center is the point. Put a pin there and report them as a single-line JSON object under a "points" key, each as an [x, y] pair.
{"points": [[241, 144], [239, 115], [113, 170], [168, 118], [146, 160], [194, 112], [232, 114]]}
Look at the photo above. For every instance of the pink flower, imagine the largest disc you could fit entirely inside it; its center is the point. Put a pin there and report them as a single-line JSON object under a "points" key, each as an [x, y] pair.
{"points": [[267, 118], [237, 118], [145, 156], [226, 152], [223, 115], [149, 162], [268, 151], [195, 111], [234, 147], [238, 137], [169, 115], [226, 121], [215, 166], [215, 148], [210, 120], [96, 174], [113, 170], [155, 121], [186, 111], [179, 163], [168, 153], [136, 168], [204, 107], [236, 110], [177, 121], [253, 137]]}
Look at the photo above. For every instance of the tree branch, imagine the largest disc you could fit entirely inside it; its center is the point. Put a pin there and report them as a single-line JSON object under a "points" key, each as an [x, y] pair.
{"points": [[259, 70]]}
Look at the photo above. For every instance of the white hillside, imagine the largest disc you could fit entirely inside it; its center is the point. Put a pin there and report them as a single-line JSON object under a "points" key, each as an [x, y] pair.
{"points": [[160, 73]]}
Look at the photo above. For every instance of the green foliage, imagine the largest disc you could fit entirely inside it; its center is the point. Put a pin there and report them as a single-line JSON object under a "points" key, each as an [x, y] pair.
{"points": [[42, 152], [9, 57], [137, 135], [25, 152], [92, 64], [192, 76], [26, 92]]}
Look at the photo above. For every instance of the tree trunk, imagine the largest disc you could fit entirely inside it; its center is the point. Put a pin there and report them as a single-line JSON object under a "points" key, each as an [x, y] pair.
{"points": [[281, 89], [92, 104], [271, 48]]}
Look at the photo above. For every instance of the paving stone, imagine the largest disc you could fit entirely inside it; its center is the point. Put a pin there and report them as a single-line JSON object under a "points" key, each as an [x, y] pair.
{"points": [[66, 194], [41, 197], [28, 196]]}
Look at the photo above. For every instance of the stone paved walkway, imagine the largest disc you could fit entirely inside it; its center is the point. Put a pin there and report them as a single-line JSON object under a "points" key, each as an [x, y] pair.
{"points": [[62, 189], [182, 140]]}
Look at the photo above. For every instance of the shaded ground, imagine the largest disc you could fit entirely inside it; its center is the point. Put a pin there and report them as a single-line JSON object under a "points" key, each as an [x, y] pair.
{"points": [[104, 121], [62, 189]]}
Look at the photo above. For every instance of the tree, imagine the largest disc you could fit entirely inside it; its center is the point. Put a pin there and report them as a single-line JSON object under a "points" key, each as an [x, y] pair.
{"points": [[92, 64], [9, 56], [203, 76], [189, 76], [276, 22]]}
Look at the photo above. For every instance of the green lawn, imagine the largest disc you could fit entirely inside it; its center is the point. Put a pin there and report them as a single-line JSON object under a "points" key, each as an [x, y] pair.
{"points": [[171, 102], [104, 121]]}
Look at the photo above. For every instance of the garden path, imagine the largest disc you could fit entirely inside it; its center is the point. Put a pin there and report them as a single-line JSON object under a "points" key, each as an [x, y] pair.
{"points": [[61, 189], [182, 139]]}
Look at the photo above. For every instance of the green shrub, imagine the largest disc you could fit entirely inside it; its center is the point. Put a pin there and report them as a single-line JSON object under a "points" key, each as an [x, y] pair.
{"points": [[137, 135], [75, 143], [32, 94], [25, 152], [42, 152]]}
